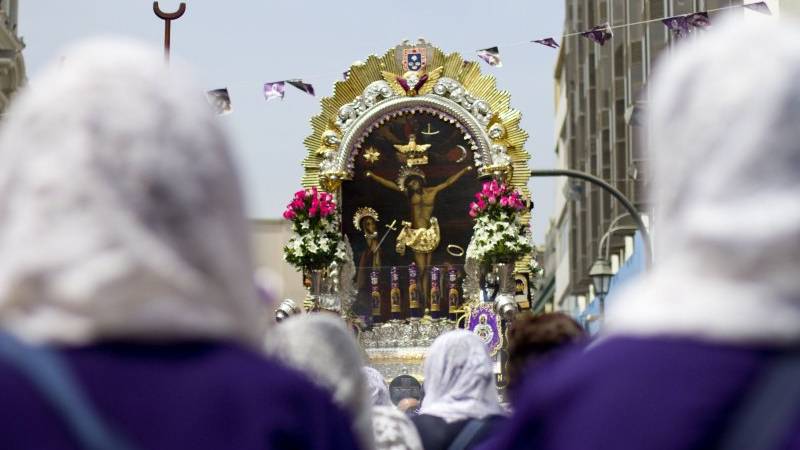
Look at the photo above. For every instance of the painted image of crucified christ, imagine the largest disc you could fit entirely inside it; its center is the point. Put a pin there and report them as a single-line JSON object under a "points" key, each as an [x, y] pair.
{"points": [[421, 234]]}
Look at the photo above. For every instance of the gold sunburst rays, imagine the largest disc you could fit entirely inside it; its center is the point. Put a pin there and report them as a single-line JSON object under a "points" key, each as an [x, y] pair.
{"points": [[452, 65]]}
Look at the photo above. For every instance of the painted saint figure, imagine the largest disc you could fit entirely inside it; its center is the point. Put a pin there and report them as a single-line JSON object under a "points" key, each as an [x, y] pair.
{"points": [[366, 220], [422, 232]]}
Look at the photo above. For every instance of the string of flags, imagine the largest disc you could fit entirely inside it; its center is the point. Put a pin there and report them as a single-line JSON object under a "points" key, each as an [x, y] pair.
{"points": [[680, 25]]}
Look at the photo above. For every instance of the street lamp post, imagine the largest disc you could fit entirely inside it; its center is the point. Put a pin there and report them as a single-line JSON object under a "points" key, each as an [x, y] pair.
{"points": [[637, 218], [601, 274]]}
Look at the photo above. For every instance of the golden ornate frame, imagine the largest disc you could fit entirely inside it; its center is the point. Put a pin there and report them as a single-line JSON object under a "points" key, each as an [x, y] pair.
{"points": [[447, 85]]}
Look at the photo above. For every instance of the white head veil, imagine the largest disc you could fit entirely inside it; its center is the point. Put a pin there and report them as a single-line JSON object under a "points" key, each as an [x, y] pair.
{"points": [[459, 381], [725, 140], [378, 390], [321, 346], [120, 210]]}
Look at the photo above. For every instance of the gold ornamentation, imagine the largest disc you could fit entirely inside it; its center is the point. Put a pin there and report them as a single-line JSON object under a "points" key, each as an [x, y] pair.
{"points": [[412, 83], [364, 211], [455, 250], [415, 153], [422, 240], [452, 66], [412, 146], [372, 155], [430, 131]]}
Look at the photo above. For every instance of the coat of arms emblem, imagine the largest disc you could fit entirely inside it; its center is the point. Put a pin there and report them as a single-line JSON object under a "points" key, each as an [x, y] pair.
{"points": [[414, 59]]}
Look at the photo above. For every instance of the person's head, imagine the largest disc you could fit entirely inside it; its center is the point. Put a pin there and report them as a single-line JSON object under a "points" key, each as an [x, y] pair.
{"points": [[411, 179], [321, 346], [365, 219], [378, 390], [725, 162], [121, 214], [459, 380], [369, 225], [532, 338], [414, 184]]}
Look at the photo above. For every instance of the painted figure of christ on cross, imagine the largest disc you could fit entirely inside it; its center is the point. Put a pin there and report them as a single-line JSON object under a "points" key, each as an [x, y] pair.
{"points": [[422, 232]]}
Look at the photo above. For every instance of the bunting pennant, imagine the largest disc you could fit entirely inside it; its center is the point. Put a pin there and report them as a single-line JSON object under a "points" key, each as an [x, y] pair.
{"points": [[678, 25], [491, 55], [698, 20], [547, 42], [220, 101], [273, 90], [599, 33], [759, 7], [345, 74], [305, 87]]}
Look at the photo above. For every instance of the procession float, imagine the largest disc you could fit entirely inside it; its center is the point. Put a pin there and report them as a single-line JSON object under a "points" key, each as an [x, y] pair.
{"points": [[413, 217]]}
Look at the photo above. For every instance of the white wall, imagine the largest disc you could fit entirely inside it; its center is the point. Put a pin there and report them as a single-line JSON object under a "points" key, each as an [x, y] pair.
{"points": [[268, 238]]}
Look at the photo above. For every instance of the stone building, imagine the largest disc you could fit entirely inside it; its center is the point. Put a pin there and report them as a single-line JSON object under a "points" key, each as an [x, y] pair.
{"points": [[12, 65], [600, 97]]}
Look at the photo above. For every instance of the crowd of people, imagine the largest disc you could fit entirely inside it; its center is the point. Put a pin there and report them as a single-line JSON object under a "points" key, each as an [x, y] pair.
{"points": [[128, 318]]}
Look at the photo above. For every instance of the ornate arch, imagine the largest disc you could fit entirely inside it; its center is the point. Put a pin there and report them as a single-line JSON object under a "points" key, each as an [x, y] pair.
{"points": [[454, 89]]}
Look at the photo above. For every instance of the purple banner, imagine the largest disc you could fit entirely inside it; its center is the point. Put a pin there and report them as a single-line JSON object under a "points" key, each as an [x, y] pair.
{"points": [[376, 293], [274, 89], [305, 87], [759, 7], [483, 323], [599, 33], [547, 42], [413, 291], [452, 289], [394, 292], [491, 55], [436, 294]]}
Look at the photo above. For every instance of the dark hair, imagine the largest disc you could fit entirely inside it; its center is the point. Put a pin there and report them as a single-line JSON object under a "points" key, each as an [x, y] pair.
{"points": [[533, 337], [413, 177]]}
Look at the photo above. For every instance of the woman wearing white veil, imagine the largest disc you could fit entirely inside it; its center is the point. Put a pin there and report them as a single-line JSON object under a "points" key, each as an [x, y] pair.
{"points": [[461, 406], [124, 257], [701, 352], [322, 347]]}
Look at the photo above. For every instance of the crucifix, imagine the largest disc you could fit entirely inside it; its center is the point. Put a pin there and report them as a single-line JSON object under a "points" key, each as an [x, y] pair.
{"points": [[168, 18]]}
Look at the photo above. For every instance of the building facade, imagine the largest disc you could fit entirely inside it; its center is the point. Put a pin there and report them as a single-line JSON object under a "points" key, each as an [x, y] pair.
{"points": [[12, 65], [600, 97]]}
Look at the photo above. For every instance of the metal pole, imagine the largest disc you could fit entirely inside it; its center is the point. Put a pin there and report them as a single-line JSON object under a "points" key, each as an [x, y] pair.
{"points": [[168, 18], [637, 218]]}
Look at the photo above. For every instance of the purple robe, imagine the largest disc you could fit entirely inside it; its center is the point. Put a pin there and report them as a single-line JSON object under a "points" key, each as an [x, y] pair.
{"points": [[180, 396], [636, 393]]}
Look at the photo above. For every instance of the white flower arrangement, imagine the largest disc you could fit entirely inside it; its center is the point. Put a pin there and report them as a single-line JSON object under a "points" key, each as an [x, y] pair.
{"points": [[497, 235], [316, 241]]}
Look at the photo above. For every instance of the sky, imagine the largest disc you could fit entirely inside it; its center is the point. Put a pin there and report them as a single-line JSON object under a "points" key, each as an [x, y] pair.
{"points": [[240, 44]]}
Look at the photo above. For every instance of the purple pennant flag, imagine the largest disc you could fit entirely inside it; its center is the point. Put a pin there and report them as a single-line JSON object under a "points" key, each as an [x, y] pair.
{"points": [[698, 20], [274, 90], [305, 87], [220, 101], [491, 55], [678, 25], [547, 42], [759, 7], [599, 33]]}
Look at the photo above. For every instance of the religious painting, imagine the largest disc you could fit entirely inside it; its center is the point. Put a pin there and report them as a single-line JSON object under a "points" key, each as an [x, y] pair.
{"points": [[483, 322], [521, 290], [405, 214]]}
